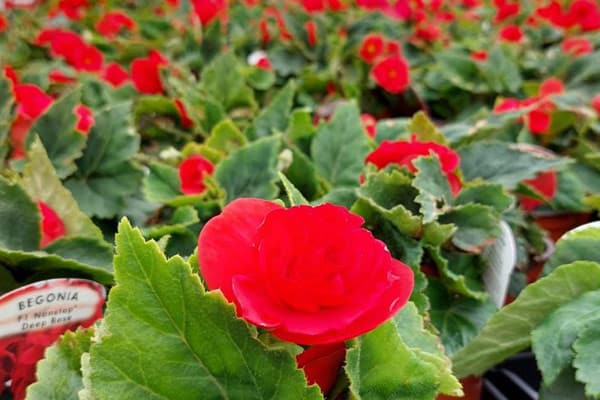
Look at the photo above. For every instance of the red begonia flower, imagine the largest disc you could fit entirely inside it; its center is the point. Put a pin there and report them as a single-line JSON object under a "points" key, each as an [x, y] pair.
{"points": [[554, 13], [3, 23], [321, 364], [85, 119], [73, 9], [369, 124], [545, 183], [538, 121], [70, 46], [506, 105], [577, 46], [311, 32], [57, 76], [31, 100], [403, 153], [11, 75], [392, 74], [428, 32], [505, 10], [551, 86], [209, 10], [192, 172], [596, 103], [113, 22], [186, 121], [586, 13], [145, 73], [52, 226], [511, 33], [18, 136], [393, 47], [115, 74], [371, 47], [311, 275], [480, 55]]}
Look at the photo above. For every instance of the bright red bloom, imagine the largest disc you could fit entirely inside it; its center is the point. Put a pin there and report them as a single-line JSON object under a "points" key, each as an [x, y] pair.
{"points": [[404, 153], [554, 13], [209, 10], [392, 74], [545, 183], [480, 55], [115, 74], [551, 86], [57, 76], [31, 100], [11, 75], [371, 47], [259, 59], [85, 119], [586, 13], [428, 32], [186, 121], [113, 22], [3, 23], [192, 172], [577, 46], [18, 135], [321, 364], [263, 27], [538, 121], [369, 124], [596, 103], [52, 226], [72, 48], [393, 47], [307, 281], [73, 9], [145, 73], [505, 10], [311, 32], [511, 33]]}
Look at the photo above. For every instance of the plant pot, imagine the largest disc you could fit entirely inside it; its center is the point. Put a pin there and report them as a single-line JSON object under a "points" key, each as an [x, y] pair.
{"points": [[471, 387], [516, 378], [557, 224]]}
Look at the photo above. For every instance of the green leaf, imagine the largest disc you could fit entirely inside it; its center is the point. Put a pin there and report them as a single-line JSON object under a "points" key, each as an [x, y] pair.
{"points": [[343, 196], [106, 175], [275, 116], [250, 171], [20, 228], [487, 194], [42, 183], [199, 348], [224, 81], [433, 187], [501, 72], [302, 174], [381, 366], [458, 319], [162, 183], [425, 131], [508, 331], [294, 196], [587, 359], [477, 226], [59, 372], [226, 137], [426, 345], [460, 272], [340, 147], [462, 71], [581, 245], [564, 387], [6, 102], [552, 339], [56, 130], [390, 195], [86, 250], [503, 163]]}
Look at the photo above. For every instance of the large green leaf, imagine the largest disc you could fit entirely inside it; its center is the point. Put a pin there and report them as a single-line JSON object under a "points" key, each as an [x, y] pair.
{"points": [[422, 127], [86, 250], [575, 246], [382, 366], [508, 331], [226, 137], [340, 147], [488, 194], [477, 226], [59, 372], [503, 163], [564, 387], [42, 183], [250, 171], [20, 216], [293, 195], [56, 129], [161, 183], [275, 116], [199, 349], [587, 359], [433, 187], [224, 81], [553, 338], [106, 176]]}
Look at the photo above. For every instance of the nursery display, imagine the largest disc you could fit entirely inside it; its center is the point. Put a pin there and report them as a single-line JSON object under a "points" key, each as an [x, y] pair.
{"points": [[297, 199]]}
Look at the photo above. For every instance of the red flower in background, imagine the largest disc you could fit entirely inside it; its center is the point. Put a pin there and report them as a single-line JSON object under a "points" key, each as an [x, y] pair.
{"points": [[113, 22], [186, 121], [52, 226], [428, 32], [369, 124], [551, 86], [259, 59], [586, 13], [11, 75], [311, 32], [538, 121], [392, 74], [115, 74], [545, 184], [192, 172], [596, 103], [371, 47], [577, 46], [3, 23], [321, 364], [73, 9], [70, 46], [480, 55], [209, 10], [288, 271], [511, 33], [57, 76], [31, 100], [403, 153], [145, 73], [505, 10], [85, 119]]}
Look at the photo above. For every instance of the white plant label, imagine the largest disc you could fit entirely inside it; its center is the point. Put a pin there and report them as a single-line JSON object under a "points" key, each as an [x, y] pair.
{"points": [[501, 257]]}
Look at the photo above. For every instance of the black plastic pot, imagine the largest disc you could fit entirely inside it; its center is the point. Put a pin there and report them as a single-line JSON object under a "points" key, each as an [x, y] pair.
{"points": [[517, 378]]}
